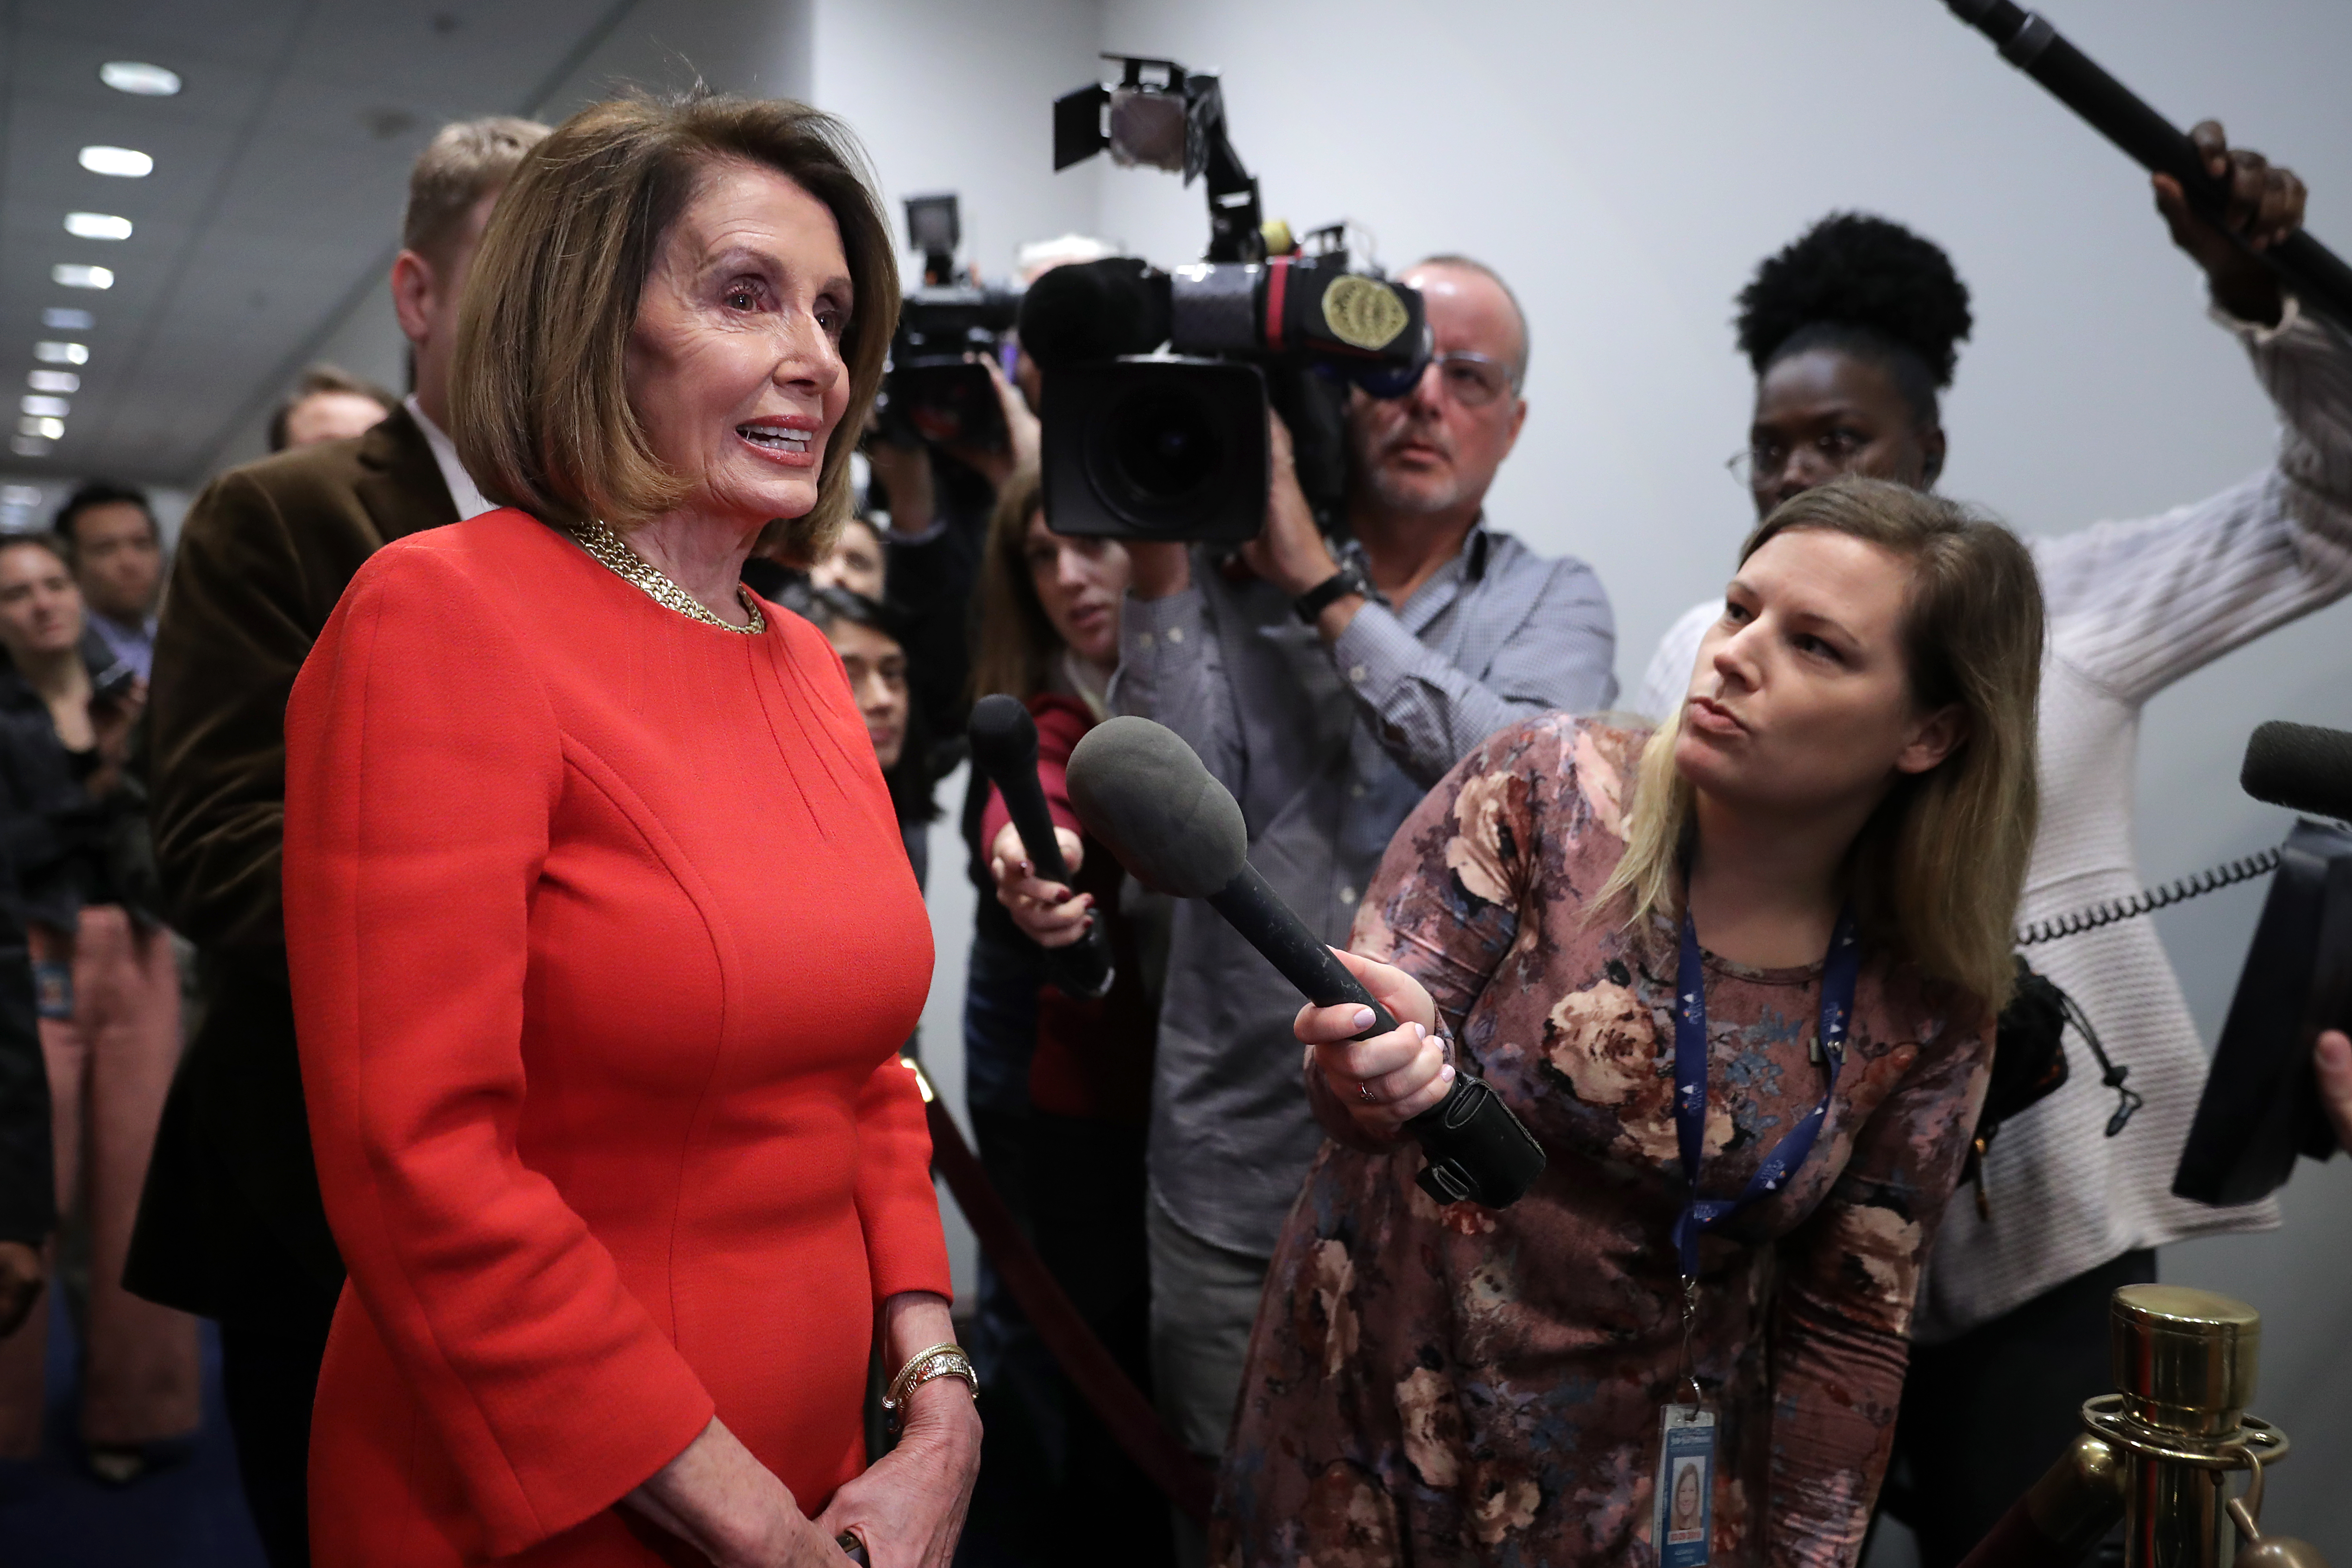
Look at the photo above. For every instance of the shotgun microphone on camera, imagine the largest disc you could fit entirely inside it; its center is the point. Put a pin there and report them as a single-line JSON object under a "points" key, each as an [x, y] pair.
{"points": [[1004, 747], [1144, 794], [1095, 311], [2301, 767]]}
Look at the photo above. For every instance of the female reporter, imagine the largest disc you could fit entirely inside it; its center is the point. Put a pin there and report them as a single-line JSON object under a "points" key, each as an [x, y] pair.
{"points": [[1626, 934], [602, 942], [1852, 330], [1059, 1086]]}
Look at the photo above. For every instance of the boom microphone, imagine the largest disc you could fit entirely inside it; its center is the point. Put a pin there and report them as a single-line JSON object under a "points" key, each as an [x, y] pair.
{"points": [[1004, 747], [2301, 767], [1145, 795], [2317, 274]]}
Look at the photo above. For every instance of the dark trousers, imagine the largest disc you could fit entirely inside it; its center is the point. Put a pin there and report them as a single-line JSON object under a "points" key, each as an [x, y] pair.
{"points": [[273, 1338], [1985, 1414], [1055, 1488]]}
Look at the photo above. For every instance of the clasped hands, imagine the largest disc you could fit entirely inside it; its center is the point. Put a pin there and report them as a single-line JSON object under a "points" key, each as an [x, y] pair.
{"points": [[908, 1508]]}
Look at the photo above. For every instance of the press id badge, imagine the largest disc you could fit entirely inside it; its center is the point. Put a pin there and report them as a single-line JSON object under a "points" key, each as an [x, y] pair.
{"points": [[1686, 1489], [53, 989]]}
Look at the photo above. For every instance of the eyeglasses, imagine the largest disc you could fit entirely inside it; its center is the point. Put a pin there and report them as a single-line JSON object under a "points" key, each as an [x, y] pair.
{"points": [[1838, 448], [1472, 379]]}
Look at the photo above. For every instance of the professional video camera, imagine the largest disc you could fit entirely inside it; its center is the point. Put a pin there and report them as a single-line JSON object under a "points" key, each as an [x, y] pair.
{"points": [[2261, 1107], [1157, 383], [938, 390]]}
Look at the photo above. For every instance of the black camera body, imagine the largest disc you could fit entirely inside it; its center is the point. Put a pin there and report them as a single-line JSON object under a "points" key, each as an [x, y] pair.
{"points": [[1139, 444], [937, 389], [1155, 450]]}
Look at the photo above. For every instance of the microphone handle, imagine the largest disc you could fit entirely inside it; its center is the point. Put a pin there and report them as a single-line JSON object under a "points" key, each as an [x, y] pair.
{"points": [[1082, 970], [1478, 1150], [2318, 277]]}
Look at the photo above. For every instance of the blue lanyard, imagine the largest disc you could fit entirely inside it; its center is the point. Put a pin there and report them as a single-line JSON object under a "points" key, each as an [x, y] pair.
{"points": [[1839, 973]]}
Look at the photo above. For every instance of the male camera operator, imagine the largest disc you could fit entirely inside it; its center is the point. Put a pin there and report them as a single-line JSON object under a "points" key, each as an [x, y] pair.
{"points": [[1328, 687]]}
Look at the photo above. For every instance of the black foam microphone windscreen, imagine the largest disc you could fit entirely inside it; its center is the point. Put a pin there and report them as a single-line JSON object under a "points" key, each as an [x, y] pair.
{"points": [[1144, 793], [1004, 749], [1094, 311], [2300, 766]]}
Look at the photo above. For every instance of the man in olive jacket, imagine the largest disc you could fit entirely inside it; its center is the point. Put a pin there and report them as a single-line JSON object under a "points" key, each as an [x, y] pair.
{"points": [[231, 1225]]}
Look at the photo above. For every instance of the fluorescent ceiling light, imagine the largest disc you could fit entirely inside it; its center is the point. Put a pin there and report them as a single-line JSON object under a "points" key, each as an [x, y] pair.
{"points": [[20, 495], [119, 161], [74, 275], [46, 429], [66, 318], [62, 353], [97, 225], [136, 75], [28, 446], [46, 407], [53, 381]]}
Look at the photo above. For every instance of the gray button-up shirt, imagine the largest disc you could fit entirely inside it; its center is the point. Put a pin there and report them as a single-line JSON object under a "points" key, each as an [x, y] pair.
{"points": [[1328, 749]]}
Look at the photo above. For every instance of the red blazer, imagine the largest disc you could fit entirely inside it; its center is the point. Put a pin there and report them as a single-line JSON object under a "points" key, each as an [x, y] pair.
{"points": [[602, 945]]}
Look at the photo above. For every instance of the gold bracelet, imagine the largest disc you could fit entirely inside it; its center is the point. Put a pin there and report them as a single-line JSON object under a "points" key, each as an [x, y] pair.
{"points": [[923, 1366]]}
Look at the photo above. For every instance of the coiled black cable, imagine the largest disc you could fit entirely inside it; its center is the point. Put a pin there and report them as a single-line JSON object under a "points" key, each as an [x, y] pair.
{"points": [[2148, 900]]}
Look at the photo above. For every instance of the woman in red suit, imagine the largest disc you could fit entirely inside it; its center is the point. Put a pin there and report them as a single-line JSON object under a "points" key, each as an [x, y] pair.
{"points": [[603, 942]]}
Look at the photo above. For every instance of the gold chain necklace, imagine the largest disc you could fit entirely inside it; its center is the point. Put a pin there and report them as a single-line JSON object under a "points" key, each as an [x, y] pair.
{"points": [[598, 540]]}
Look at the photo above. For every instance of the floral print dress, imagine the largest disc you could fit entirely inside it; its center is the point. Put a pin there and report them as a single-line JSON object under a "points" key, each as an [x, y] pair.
{"points": [[1465, 1386]]}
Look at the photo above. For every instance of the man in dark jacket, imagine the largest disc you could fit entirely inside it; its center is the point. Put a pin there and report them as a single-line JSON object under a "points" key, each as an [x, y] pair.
{"points": [[232, 1226]]}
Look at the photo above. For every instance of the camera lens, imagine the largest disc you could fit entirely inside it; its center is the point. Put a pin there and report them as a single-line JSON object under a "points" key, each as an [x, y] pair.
{"points": [[1165, 447]]}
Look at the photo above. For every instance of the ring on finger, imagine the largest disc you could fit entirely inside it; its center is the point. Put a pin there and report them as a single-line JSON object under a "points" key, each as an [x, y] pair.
{"points": [[1364, 1092]]}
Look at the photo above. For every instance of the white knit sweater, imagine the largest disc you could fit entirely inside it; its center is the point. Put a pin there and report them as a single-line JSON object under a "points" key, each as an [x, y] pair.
{"points": [[2133, 606]]}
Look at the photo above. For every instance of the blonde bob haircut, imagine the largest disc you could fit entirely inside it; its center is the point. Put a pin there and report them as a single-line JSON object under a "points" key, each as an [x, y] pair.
{"points": [[1936, 872], [538, 400]]}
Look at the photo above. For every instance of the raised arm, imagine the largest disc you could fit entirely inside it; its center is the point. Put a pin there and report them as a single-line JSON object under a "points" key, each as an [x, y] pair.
{"points": [[2137, 605], [1428, 712], [1842, 1317], [1172, 668]]}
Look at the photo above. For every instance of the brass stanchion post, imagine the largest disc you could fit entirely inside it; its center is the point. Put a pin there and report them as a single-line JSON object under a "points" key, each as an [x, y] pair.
{"points": [[2185, 1363]]}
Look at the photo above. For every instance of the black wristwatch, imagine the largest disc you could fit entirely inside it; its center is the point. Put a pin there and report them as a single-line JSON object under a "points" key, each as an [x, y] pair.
{"points": [[1349, 579]]}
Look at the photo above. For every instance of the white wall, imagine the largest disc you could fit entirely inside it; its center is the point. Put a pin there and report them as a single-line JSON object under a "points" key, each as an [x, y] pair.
{"points": [[951, 96], [1626, 166]]}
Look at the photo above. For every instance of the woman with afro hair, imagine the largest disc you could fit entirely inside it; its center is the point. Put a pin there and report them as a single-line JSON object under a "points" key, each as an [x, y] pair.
{"points": [[1852, 330]]}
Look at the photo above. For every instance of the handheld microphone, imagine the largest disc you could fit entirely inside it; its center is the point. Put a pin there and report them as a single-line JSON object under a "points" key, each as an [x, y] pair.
{"points": [[2316, 274], [1004, 747], [2301, 767], [1144, 794]]}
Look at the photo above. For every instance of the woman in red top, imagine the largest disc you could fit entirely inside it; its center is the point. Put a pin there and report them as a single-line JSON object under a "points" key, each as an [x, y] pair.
{"points": [[1059, 1086], [602, 942]]}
